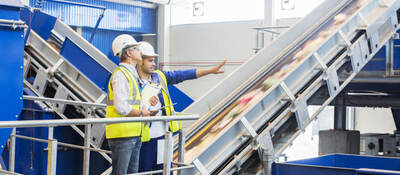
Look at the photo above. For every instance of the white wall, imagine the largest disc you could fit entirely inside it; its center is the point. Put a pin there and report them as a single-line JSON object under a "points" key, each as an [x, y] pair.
{"points": [[213, 41], [374, 120], [233, 41]]}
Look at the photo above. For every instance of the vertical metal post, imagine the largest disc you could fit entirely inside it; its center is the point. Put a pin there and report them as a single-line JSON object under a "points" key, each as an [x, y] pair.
{"points": [[262, 39], [52, 153], [266, 156], [257, 41], [340, 113], [181, 148], [86, 152], [12, 151], [51, 132], [167, 150], [163, 31], [269, 16], [389, 58]]}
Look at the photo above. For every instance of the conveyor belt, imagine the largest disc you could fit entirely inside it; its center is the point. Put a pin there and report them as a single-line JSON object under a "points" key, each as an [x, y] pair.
{"points": [[268, 108]]}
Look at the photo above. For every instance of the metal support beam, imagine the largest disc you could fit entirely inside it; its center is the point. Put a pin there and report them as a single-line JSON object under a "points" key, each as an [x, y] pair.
{"points": [[389, 58], [163, 32], [67, 122], [181, 147], [266, 159], [269, 16], [96, 26], [167, 150], [51, 153], [340, 113], [12, 151], [86, 152]]}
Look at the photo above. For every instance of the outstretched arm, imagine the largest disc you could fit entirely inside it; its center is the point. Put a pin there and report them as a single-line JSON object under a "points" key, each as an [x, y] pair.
{"points": [[213, 70]]}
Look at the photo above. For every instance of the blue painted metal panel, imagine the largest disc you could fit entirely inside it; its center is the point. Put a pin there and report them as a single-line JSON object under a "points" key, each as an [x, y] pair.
{"points": [[180, 98], [369, 172], [103, 40], [116, 17], [322, 161], [40, 22], [32, 156], [89, 67], [378, 63], [293, 169], [337, 164], [11, 70], [10, 9], [355, 162], [391, 88]]}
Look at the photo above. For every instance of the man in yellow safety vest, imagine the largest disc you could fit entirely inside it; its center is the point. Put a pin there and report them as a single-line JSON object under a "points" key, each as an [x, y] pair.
{"points": [[123, 100], [151, 151]]}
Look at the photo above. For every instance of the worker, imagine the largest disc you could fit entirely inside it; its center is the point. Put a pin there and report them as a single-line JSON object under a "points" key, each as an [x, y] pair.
{"points": [[152, 149], [124, 97]]}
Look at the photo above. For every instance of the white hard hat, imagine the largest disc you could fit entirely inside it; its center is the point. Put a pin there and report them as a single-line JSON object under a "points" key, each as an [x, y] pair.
{"points": [[121, 42], [147, 49]]}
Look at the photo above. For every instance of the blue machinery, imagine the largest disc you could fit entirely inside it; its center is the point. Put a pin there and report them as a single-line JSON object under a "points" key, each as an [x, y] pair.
{"points": [[12, 44], [339, 164], [321, 54]]}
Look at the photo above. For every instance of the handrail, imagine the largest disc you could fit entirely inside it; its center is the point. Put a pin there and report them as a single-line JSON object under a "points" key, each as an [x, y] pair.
{"points": [[67, 122], [53, 143]]}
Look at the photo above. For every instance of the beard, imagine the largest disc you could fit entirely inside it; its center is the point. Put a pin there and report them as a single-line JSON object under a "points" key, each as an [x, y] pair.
{"points": [[148, 70]]}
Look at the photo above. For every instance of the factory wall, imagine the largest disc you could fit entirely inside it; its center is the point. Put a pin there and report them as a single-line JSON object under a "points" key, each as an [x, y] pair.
{"points": [[210, 42], [118, 17]]}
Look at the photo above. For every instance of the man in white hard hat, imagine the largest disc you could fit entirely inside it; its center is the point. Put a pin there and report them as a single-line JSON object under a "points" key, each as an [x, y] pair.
{"points": [[123, 100], [151, 152]]}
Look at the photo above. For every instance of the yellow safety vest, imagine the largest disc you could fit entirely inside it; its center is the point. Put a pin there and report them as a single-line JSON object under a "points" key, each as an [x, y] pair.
{"points": [[121, 130], [174, 126]]}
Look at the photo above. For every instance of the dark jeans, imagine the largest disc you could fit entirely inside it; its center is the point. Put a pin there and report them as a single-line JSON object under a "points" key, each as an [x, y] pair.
{"points": [[125, 155], [148, 156]]}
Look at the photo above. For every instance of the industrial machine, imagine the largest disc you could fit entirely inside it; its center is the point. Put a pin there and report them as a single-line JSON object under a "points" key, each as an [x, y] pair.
{"points": [[327, 48]]}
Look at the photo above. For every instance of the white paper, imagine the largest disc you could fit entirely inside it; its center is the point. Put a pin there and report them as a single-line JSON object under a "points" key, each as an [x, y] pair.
{"points": [[149, 91]]}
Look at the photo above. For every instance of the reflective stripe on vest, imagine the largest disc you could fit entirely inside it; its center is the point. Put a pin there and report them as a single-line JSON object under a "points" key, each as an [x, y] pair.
{"points": [[173, 125], [120, 130]]}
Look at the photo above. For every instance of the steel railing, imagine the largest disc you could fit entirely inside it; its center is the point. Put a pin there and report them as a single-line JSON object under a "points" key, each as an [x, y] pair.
{"points": [[53, 143]]}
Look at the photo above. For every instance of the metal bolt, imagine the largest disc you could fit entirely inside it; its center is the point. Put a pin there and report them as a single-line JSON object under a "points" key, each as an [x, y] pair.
{"points": [[2, 146], [20, 98], [16, 116], [22, 36], [22, 67]]}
